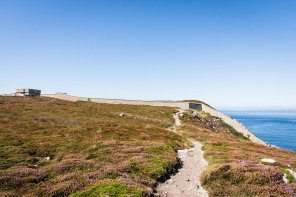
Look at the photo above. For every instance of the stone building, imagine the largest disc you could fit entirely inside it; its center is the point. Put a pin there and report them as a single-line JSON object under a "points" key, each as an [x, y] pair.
{"points": [[27, 92]]}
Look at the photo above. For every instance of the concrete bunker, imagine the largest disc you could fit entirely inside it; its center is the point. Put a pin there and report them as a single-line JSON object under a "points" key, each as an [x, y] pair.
{"points": [[27, 92], [195, 106]]}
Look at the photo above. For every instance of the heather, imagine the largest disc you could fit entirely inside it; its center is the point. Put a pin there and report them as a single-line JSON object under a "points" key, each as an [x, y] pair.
{"points": [[50, 147], [235, 167]]}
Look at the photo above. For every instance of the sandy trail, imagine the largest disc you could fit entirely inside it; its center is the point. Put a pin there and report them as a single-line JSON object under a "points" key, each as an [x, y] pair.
{"points": [[186, 182]]}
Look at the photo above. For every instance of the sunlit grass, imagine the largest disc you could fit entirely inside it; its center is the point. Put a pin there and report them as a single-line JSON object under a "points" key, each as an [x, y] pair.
{"points": [[50, 147]]}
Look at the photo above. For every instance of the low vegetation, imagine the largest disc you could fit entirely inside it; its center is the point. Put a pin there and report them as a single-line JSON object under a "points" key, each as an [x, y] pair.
{"points": [[235, 167], [50, 147], [233, 131], [110, 188]]}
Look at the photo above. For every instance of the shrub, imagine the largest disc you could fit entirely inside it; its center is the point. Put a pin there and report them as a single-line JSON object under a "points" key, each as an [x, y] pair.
{"points": [[232, 179], [86, 143]]}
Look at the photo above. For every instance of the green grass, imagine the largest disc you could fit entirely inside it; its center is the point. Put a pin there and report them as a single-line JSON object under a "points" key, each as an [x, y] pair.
{"points": [[289, 175], [109, 189], [233, 131]]}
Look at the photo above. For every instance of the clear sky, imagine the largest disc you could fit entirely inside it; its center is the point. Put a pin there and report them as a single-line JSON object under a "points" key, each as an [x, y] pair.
{"points": [[231, 54]]}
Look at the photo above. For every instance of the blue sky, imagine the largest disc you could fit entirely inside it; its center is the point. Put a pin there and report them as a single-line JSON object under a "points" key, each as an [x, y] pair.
{"points": [[231, 54]]}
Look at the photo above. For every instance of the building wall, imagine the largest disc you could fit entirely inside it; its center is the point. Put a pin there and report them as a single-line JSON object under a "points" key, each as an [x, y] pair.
{"points": [[27, 92], [12, 94], [195, 106], [182, 105]]}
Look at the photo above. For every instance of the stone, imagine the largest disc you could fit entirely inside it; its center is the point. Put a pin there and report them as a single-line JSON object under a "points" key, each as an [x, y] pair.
{"points": [[182, 115], [197, 117], [292, 173], [285, 179], [47, 158], [268, 160], [121, 114]]}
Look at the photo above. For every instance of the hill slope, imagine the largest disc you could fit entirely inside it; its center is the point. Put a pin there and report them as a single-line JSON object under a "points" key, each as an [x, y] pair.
{"points": [[50, 147], [54, 147]]}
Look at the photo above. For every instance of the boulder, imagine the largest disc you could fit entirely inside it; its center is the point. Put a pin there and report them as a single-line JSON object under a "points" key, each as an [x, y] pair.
{"points": [[268, 160], [197, 117], [292, 173], [285, 178]]}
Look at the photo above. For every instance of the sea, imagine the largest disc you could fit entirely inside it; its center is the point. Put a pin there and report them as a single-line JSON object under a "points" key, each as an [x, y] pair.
{"points": [[275, 127]]}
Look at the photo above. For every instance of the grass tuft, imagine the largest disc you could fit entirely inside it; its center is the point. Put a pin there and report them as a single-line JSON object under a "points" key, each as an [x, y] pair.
{"points": [[109, 189]]}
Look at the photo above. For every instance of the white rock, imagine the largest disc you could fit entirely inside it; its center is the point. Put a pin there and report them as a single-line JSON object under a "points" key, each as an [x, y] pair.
{"points": [[292, 173], [268, 160], [121, 114], [47, 158], [289, 167], [182, 115], [285, 179]]}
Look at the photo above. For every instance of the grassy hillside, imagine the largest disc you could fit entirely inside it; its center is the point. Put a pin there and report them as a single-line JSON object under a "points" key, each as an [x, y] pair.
{"points": [[50, 147], [235, 167]]}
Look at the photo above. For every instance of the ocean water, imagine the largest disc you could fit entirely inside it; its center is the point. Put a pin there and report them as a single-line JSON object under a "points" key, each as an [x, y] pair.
{"points": [[275, 127]]}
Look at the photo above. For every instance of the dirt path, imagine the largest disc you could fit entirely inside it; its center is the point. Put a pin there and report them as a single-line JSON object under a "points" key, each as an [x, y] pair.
{"points": [[186, 181]]}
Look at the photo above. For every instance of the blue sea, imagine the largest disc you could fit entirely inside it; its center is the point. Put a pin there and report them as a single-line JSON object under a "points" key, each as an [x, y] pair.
{"points": [[275, 127]]}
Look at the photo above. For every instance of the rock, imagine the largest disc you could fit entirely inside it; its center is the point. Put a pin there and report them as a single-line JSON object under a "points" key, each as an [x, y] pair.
{"points": [[289, 167], [47, 158], [121, 114], [285, 179], [182, 115], [197, 117], [268, 160], [292, 173], [33, 166]]}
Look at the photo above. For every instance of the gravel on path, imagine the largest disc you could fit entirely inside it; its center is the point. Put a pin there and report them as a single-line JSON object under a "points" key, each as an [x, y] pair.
{"points": [[186, 182]]}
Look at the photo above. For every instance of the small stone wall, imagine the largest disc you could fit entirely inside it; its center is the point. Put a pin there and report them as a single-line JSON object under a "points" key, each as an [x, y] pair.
{"points": [[182, 105]]}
